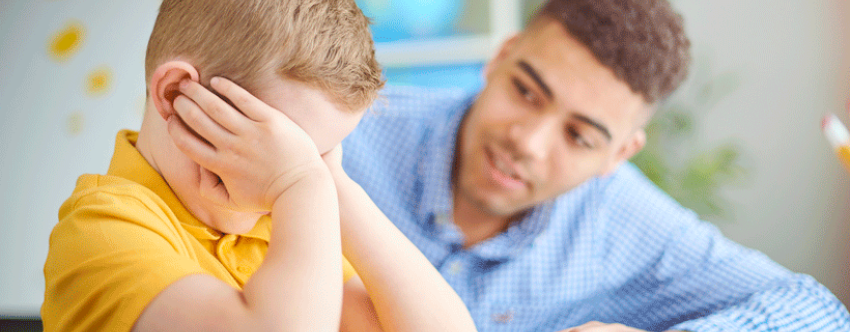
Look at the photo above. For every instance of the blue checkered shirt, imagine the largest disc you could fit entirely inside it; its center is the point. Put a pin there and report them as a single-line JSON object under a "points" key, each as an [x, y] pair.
{"points": [[615, 249]]}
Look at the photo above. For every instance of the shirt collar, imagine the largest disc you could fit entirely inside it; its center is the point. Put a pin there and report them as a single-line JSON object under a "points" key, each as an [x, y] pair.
{"points": [[436, 169], [128, 163], [556, 213], [519, 235]]}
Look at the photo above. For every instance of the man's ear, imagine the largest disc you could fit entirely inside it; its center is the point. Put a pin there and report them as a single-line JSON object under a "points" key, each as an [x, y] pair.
{"points": [[165, 82], [633, 145], [504, 50]]}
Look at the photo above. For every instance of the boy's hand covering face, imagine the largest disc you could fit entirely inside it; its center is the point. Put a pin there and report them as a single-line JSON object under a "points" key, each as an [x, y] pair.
{"points": [[248, 158]]}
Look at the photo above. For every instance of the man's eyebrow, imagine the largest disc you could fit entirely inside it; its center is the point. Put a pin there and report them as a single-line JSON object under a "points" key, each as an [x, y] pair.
{"points": [[596, 124], [536, 77]]}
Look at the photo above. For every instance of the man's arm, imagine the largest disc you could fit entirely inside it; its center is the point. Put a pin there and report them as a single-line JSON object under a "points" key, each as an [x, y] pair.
{"points": [[681, 273], [743, 290]]}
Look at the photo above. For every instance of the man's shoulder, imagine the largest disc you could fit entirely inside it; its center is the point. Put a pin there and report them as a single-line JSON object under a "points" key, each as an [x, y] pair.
{"points": [[629, 188], [403, 118], [629, 221], [407, 128], [627, 200], [417, 103]]}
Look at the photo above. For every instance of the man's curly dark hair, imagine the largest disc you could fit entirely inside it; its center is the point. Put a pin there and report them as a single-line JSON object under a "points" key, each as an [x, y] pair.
{"points": [[642, 41]]}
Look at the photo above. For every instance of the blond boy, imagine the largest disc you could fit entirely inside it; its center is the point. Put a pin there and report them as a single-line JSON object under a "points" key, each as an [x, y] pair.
{"points": [[239, 231]]}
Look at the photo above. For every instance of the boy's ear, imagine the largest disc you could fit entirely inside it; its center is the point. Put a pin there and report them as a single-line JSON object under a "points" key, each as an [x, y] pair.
{"points": [[631, 147], [165, 82]]}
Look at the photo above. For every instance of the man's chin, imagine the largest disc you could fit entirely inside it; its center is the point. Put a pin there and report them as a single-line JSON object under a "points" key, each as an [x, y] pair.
{"points": [[497, 207]]}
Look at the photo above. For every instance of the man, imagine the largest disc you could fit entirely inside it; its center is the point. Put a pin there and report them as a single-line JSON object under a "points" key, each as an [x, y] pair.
{"points": [[523, 198]]}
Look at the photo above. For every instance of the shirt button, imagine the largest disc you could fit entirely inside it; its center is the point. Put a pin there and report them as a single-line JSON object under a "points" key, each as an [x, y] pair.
{"points": [[504, 317], [243, 269], [441, 219], [454, 268]]}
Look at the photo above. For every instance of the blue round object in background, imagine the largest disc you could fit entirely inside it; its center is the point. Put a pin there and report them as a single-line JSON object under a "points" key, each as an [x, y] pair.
{"points": [[405, 19]]}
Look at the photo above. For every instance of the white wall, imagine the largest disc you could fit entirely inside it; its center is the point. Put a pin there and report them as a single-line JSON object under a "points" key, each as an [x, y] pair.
{"points": [[792, 58], [51, 129]]}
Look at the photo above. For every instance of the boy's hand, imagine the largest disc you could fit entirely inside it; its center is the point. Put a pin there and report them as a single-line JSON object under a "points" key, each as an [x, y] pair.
{"points": [[248, 157]]}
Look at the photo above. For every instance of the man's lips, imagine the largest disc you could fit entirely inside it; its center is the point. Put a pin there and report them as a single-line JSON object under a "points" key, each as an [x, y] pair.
{"points": [[502, 169]]}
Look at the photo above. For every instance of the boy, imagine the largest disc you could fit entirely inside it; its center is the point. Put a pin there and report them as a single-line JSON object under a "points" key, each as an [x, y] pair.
{"points": [[240, 231]]}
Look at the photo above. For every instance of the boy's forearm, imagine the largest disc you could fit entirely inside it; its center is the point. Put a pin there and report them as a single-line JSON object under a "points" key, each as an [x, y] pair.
{"points": [[299, 284], [408, 293]]}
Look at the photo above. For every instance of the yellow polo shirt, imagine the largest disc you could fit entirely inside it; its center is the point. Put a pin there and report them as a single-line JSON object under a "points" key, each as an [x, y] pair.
{"points": [[124, 237]]}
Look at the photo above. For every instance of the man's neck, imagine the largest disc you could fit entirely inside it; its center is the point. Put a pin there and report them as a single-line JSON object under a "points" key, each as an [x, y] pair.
{"points": [[475, 223]]}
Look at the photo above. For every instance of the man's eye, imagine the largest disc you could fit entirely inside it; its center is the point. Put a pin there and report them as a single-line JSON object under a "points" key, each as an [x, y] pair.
{"points": [[524, 92], [577, 138]]}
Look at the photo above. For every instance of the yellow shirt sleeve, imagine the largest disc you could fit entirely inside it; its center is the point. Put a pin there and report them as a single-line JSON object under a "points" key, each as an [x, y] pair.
{"points": [[347, 270], [110, 254]]}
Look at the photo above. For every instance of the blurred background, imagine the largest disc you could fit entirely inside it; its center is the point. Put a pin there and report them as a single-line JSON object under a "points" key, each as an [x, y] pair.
{"points": [[740, 142]]}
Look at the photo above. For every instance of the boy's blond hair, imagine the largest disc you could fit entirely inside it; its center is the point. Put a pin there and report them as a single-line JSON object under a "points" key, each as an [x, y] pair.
{"points": [[323, 43]]}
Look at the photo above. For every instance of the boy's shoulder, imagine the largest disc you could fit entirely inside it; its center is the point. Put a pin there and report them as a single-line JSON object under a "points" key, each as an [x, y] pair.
{"points": [[130, 184], [131, 191], [114, 191], [116, 237], [100, 198]]}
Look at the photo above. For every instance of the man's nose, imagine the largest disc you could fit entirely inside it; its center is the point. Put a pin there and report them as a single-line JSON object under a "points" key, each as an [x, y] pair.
{"points": [[532, 138]]}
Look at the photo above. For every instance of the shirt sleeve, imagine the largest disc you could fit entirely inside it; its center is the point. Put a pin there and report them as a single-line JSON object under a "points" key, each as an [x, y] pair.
{"points": [[109, 256], [347, 270], [799, 305], [683, 274], [734, 288]]}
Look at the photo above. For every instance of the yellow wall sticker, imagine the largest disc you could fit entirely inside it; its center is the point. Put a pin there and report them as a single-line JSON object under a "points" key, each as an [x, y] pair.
{"points": [[67, 41], [99, 81]]}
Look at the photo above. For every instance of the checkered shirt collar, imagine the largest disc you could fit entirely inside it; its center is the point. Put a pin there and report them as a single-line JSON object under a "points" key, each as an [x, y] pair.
{"points": [[437, 197]]}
